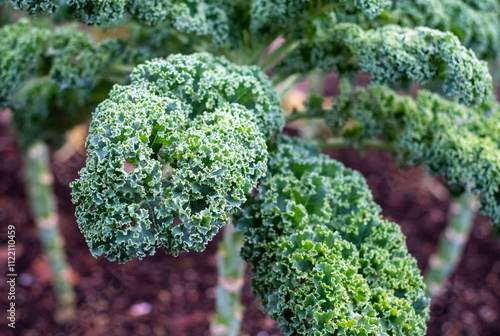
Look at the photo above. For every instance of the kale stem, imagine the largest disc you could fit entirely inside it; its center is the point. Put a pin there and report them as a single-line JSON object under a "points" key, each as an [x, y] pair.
{"points": [[296, 115], [451, 243], [119, 70], [39, 184], [340, 142], [229, 311]]}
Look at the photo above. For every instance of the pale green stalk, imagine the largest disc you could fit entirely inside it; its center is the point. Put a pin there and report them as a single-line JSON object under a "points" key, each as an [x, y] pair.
{"points": [[316, 81], [365, 144], [39, 180], [451, 243], [229, 311]]}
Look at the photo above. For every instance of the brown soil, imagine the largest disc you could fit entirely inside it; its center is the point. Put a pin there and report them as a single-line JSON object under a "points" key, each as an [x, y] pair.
{"points": [[162, 295]]}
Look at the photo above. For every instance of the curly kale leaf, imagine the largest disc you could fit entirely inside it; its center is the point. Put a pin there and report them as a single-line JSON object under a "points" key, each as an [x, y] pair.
{"points": [[36, 6], [272, 14], [194, 129], [324, 261], [199, 17], [455, 141], [92, 12], [66, 55], [475, 23], [393, 54], [47, 76], [207, 81]]}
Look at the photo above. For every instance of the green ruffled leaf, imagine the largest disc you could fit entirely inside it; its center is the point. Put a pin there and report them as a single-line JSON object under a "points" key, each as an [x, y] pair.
{"points": [[195, 129], [455, 141], [47, 77], [324, 261], [391, 54]]}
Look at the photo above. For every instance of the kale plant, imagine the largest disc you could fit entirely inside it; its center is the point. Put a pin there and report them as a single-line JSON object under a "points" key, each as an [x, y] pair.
{"points": [[202, 129]]}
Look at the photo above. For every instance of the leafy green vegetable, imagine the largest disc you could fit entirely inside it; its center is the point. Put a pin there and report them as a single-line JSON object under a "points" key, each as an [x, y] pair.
{"points": [[66, 55], [273, 14], [392, 54], [475, 23], [455, 141], [323, 260], [194, 128], [203, 18], [47, 77]]}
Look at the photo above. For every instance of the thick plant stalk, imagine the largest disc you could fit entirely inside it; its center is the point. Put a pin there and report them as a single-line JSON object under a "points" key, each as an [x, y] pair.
{"points": [[316, 83], [39, 180], [229, 311], [339, 143], [452, 242]]}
